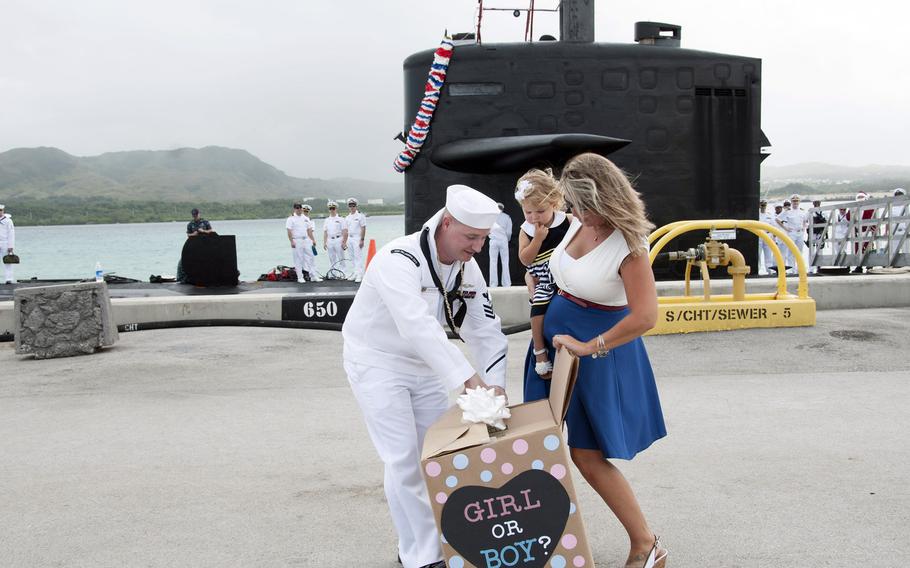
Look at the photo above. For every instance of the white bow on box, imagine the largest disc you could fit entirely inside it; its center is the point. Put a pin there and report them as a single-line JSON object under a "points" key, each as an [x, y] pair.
{"points": [[483, 405]]}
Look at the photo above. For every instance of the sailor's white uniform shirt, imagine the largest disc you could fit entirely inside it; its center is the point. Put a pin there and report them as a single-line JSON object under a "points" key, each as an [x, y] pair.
{"points": [[397, 320], [7, 233], [355, 221], [297, 224], [502, 230], [334, 226], [794, 221]]}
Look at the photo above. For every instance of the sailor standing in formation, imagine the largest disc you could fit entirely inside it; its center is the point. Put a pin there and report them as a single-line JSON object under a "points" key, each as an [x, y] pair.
{"points": [[357, 232], [767, 260], [399, 361], [7, 242], [500, 235], [794, 222], [298, 228], [309, 251], [334, 231]]}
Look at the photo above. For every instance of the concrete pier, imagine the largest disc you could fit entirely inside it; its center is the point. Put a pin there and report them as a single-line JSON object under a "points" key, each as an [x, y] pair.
{"points": [[266, 305], [212, 447]]}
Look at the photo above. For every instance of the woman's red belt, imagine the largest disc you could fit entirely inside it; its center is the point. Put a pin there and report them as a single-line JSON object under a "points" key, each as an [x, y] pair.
{"points": [[587, 304]]}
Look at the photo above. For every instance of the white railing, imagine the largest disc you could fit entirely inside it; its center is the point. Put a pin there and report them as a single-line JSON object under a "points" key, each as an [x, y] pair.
{"points": [[860, 233]]}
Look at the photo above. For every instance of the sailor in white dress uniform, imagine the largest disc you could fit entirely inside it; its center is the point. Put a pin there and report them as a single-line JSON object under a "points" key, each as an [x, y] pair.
{"points": [[500, 235], [357, 231], [794, 222], [333, 232], [309, 251], [767, 261], [399, 361], [7, 243], [298, 229]]}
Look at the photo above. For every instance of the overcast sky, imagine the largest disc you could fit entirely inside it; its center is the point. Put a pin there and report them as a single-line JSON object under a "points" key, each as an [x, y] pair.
{"points": [[315, 88]]}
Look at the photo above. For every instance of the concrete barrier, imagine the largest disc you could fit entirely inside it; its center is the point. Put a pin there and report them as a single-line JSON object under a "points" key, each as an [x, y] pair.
{"points": [[255, 307], [63, 320], [829, 293]]}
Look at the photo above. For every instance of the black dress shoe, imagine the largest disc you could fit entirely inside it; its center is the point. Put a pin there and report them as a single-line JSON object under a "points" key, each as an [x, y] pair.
{"points": [[438, 564]]}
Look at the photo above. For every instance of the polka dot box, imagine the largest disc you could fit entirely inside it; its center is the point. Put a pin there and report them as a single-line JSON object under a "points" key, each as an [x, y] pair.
{"points": [[508, 501]]}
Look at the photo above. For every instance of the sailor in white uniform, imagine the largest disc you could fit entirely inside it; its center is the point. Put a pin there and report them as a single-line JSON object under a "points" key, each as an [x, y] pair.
{"points": [[399, 361], [298, 228], [309, 251], [334, 231], [794, 222], [767, 260], [357, 232], [7, 243], [500, 235]]}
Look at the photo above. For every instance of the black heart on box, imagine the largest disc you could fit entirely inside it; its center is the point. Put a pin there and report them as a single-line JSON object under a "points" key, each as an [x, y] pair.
{"points": [[471, 514]]}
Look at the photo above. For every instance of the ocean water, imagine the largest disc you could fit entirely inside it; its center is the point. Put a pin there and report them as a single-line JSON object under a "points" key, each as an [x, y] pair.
{"points": [[138, 250]]}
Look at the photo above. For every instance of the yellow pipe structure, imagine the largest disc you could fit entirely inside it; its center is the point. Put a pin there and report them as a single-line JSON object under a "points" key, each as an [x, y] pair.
{"points": [[739, 310], [737, 272], [670, 231]]}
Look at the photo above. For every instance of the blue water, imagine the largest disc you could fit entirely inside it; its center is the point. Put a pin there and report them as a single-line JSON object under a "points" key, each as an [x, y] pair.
{"points": [[138, 250]]}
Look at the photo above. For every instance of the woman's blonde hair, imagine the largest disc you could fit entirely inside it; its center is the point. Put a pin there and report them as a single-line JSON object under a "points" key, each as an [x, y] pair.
{"points": [[594, 184], [538, 187]]}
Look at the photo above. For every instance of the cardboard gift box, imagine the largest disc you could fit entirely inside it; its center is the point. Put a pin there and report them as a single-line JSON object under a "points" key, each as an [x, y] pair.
{"points": [[507, 500]]}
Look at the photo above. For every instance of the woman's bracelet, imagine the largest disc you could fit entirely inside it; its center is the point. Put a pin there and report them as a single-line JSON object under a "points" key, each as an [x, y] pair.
{"points": [[601, 348]]}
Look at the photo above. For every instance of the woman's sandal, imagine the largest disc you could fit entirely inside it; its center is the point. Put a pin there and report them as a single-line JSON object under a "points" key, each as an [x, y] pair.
{"points": [[657, 558], [543, 368]]}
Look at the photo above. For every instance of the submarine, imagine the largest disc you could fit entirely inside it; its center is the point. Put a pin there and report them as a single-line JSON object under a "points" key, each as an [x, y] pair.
{"points": [[684, 124]]}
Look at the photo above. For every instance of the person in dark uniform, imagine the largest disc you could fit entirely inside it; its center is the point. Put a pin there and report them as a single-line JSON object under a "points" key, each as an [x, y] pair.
{"points": [[198, 226]]}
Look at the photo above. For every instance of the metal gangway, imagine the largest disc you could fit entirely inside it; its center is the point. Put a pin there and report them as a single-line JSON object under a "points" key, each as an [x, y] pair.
{"points": [[870, 233]]}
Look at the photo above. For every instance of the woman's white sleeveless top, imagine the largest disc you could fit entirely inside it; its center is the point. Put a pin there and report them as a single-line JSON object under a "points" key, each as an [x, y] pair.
{"points": [[595, 276]]}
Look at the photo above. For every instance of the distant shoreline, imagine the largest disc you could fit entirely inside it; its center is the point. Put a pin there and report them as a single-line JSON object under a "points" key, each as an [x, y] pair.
{"points": [[102, 211]]}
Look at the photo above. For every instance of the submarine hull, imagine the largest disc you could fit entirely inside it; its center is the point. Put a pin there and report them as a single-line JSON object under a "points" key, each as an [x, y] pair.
{"points": [[685, 126]]}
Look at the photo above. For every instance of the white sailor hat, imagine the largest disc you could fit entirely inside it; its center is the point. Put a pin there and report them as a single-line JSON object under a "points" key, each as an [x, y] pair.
{"points": [[796, 196], [306, 207], [2, 206], [471, 207], [897, 191], [352, 201], [331, 204], [860, 196]]}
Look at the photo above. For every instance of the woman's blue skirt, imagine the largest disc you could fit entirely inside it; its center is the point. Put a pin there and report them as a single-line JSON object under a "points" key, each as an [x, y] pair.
{"points": [[615, 407]]}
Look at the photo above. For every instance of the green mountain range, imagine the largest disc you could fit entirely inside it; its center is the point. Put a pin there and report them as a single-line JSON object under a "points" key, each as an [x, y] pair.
{"points": [[207, 174]]}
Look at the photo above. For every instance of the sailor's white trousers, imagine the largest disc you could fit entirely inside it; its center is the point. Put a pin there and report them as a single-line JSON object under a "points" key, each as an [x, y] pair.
{"points": [[7, 268], [336, 253], [499, 250], [398, 408], [789, 256], [299, 253], [356, 256]]}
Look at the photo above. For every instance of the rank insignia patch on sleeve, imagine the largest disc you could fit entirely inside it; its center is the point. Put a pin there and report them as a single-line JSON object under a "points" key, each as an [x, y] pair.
{"points": [[410, 256]]}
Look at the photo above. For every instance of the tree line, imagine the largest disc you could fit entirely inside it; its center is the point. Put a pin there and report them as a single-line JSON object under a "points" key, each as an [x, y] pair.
{"points": [[66, 210], [838, 191]]}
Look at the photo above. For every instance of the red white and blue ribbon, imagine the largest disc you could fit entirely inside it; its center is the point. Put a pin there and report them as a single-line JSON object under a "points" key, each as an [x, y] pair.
{"points": [[421, 127]]}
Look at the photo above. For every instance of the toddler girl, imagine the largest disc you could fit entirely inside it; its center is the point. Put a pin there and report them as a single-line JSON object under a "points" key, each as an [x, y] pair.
{"points": [[544, 227]]}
